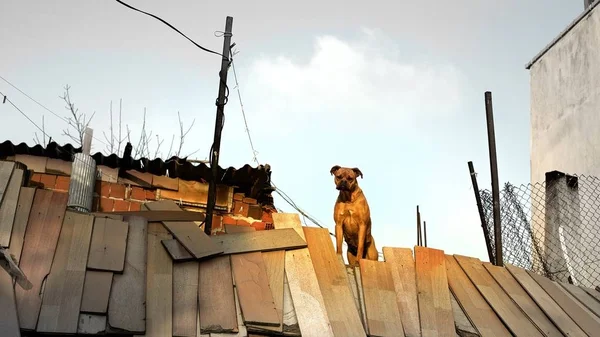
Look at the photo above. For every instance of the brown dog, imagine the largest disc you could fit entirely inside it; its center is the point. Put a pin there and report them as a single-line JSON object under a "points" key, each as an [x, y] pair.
{"points": [[352, 216]]}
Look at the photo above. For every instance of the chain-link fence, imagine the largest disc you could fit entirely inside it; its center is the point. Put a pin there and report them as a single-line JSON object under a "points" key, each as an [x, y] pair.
{"points": [[551, 228]]}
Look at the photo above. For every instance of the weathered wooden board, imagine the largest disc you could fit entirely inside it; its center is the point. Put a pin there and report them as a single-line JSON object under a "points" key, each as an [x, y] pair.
{"points": [[185, 298], [109, 242], [361, 297], [577, 311], [592, 292], [523, 300], [165, 182], [187, 233], [158, 216], [556, 314], [216, 296], [159, 291], [382, 310], [8, 207], [472, 302], [127, 303], [197, 193], [91, 324], [333, 281], [232, 229], [247, 242], [177, 252], [402, 267], [588, 301], [59, 167], [41, 237], [6, 170], [461, 321], [96, 291], [435, 309], [35, 163], [504, 307], [63, 291], [275, 268], [21, 218], [252, 284], [9, 322], [304, 285]]}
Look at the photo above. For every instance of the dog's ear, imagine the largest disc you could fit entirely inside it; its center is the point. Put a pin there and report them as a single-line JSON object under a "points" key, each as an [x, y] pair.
{"points": [[357, 172], [333, 169]]}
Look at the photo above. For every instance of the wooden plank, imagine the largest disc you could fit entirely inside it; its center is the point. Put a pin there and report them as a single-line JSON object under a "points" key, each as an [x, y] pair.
{"points": [[63, 291], [435, 309], [472, 302], [556, 314], [402, 267], [157, 216], [232, 229], [504, 307], [197, 193], [382, 310], [21, 218], [59, 167], [165, 182], [159, 291], [592, 292], [185, 298], [523, 300], [242, 331], [583, 297], [304, 286], [187, 233], [35, 163], [90, 324], [9, 322], [275, 268], [248, 242], [6, 170], [177, 252], [41, 237], [8, 208], [127, 303], [96, 291], [216, 296], [461, 321], [333, 281], [361, 297], [108, 174], [109, 241], [252, 284], [577, 311]]}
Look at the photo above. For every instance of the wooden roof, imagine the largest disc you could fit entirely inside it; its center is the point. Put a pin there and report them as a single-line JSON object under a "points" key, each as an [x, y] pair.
{"points": [[80, 273]]}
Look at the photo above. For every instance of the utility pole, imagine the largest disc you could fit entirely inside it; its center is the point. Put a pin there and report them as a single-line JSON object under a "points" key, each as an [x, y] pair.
{"points": [[215, 149]]}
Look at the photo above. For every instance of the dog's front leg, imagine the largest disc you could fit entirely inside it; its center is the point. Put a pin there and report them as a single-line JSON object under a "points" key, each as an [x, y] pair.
{"points": [[362, 233], [338, 238]]}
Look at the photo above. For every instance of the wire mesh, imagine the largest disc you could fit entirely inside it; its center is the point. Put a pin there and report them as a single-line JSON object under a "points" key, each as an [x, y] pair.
{"points": [[551, 228]]}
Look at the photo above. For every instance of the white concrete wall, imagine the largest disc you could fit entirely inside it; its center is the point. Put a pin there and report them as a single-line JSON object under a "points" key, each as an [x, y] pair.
{"points": [[565, 117]]}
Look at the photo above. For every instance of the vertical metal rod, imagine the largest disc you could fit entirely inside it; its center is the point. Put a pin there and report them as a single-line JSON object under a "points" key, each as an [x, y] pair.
{"points": [[216, 148], [489, 112], [425, 231], [486, 232], [418, 226]]}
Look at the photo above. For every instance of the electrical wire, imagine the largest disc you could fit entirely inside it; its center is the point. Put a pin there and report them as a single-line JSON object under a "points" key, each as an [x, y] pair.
{"points": [[171, 26]]}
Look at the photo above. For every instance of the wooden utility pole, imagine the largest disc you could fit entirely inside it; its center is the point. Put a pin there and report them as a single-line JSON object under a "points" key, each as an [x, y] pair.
{"points": [[215, 149], [489, 113]]}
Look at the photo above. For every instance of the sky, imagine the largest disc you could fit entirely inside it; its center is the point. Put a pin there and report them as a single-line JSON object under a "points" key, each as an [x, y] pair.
{"points": [[395, 89]]}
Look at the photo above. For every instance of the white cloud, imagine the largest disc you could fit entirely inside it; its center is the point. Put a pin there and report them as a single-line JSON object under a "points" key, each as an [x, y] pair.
{"points": [[348, 83]]}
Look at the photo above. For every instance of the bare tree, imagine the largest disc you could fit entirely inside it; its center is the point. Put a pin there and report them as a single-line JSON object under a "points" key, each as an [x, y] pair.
{"points": [[114, 142], [77, 121], [36, 139]]}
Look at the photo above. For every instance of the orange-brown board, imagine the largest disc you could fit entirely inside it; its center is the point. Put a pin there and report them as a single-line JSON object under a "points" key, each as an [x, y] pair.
{"points": [[41, 237], [473, 304], [435, 308]]}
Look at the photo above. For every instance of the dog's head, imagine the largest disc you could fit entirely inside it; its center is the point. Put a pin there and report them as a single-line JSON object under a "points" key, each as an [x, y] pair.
{"points": [[345, 178]]}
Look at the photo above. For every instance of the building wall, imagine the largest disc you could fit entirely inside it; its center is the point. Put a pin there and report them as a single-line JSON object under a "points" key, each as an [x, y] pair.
{"points": [[565, 118]]}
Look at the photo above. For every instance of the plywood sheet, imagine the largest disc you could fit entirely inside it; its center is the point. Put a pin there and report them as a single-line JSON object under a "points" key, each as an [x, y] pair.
{"points": [[216, 296], [8, 207], [21, 218], [187, 233], [41, 237], [63, 291], [504, 307], [127, 303], [402, 267], [556, 314], [523, 300], [9, 322], [577, 311], [382, 310], [588, 301], [333, 281], [435, 309], [177, 251], [159, 289], [304, 286], [185, 298], [472, 302], [96, 291], [109, 241], [6, 170], [247, 242]]}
